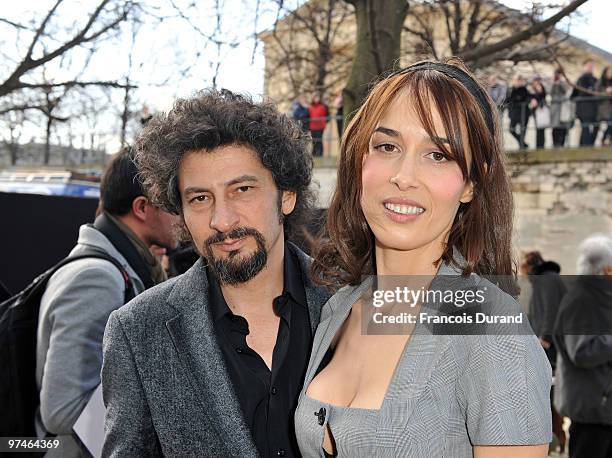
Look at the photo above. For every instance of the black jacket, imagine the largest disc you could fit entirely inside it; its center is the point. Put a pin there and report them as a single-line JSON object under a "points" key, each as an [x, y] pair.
{"points": [[586, 110], [583, 335], [518, 104]]}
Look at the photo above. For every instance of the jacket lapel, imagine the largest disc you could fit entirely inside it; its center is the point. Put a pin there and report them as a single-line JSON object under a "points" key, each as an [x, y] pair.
{"points": [[194, 338], [316, 296]]}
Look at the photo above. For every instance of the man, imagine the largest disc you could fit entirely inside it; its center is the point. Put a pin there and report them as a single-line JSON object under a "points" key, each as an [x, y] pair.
{"points": [[299, 111], [211, 363], [498, 91], [81, 295], [518, 109], [583, 335], [586, 110]]}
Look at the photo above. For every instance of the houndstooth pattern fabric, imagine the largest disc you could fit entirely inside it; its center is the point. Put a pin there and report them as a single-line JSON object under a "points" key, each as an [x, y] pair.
{"points": [[447, 394]]}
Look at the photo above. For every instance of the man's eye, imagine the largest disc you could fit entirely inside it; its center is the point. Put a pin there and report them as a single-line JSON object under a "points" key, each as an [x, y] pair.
{"points": [[199, 199], [437, 156], [244, 188], [386, 148]]}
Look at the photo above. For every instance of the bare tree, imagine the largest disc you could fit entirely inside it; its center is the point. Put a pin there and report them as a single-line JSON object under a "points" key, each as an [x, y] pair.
{"points": [[12, 124], [105, 18], [308, 47], [378, 45], [472, 31]]}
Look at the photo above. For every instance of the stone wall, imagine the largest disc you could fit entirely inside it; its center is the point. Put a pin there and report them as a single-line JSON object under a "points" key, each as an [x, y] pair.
{"points": [[560, 197]]}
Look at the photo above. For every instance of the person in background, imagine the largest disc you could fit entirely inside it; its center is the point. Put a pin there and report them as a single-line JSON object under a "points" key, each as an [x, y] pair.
{"points": [[547, 292], [81, 295], [583, 336], [538, 102], [604, 111], [339, 106], [558, 102], [299, 112], [145, 116], [497, 91], [317, 111], [586, 108], [518, 109]]}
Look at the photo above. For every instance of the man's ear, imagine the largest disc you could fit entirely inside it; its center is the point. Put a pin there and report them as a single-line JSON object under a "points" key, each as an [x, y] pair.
{"points": [[140, 207], [468, 193], [289, 199]]}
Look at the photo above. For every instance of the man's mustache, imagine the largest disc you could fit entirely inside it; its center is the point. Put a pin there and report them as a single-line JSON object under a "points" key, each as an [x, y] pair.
{"points": [[237, 233]]}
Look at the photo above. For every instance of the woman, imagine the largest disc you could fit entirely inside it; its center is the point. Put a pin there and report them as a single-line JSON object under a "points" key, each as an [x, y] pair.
{"points": [[317, 111], [538, 104], [421, 191], [604, 110], [518, 110], [561, 112]]}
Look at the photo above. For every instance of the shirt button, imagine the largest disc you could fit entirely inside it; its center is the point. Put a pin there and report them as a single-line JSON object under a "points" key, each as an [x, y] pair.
{"points": [[239, 350], [273, 390], [281, 452]]}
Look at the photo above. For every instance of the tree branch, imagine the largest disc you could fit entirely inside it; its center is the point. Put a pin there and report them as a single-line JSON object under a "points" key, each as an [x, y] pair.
{"points": [[487, 50]]}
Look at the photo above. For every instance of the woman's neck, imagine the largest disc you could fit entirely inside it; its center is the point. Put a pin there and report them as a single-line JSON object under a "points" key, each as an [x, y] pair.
{"points": [[420, 261]]}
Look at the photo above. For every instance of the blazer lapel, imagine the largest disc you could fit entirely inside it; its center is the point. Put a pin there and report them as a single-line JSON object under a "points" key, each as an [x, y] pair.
{"points": [[316, 296], [194, 338]]}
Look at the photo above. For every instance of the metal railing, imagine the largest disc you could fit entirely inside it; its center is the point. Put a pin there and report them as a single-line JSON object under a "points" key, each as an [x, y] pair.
{"points": [[567, 128]]}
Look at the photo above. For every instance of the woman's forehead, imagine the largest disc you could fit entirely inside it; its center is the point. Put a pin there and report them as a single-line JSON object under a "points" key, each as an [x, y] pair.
{"points": [[404, 110]]}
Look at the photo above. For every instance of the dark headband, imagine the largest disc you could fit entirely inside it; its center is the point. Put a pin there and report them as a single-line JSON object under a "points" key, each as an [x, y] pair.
{"points": [[458, 74]]}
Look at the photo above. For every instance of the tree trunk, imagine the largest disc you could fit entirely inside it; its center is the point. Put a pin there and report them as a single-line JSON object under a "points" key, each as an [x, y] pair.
{"points": [[379, 31], [125, 115], [48, 140], [14, 150]]}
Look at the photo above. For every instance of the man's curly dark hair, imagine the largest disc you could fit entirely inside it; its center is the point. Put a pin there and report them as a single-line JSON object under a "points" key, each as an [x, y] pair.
{"points": [[212, 119]]}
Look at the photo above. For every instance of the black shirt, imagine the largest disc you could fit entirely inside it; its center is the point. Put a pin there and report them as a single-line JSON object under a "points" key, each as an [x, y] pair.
{"points": [[268, 397]]}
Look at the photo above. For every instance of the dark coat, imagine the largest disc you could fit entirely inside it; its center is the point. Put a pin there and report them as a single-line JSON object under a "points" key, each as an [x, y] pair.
{"points": [[586, 110], [547, 292], [583, 335], [518, 104], [604, 111], [300, 114], [164, 379]]}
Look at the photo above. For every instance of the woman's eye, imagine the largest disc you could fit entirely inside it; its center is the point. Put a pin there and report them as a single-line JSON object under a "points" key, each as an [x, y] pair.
{"points": [[437, 156], [386, 148]]}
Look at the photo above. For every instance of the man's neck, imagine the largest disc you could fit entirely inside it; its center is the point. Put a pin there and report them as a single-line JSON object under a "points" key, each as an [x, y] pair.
{"points": [[255, 296], [128, 220]]}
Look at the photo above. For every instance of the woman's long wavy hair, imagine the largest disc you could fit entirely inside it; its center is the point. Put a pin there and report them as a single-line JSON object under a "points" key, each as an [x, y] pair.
{"points": [[482, 229]]}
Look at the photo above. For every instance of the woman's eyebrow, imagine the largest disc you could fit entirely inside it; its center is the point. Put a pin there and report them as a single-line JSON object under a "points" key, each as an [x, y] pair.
{"points": [[395, 133], [437, 139], [387, 131]]}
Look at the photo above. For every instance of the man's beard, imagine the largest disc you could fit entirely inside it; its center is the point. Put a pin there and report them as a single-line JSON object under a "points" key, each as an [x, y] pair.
{"points": [[236, 269]]}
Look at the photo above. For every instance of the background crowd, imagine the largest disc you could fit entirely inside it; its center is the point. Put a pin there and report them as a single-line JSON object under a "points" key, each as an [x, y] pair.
{"points": [[553, 103]]}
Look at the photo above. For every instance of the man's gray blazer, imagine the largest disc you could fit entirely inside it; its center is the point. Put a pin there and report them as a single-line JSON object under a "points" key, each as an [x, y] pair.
{"points": [[165, 383]]}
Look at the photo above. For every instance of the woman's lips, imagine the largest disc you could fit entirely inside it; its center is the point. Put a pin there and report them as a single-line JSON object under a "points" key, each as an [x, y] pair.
{"points": [[403, 212]]}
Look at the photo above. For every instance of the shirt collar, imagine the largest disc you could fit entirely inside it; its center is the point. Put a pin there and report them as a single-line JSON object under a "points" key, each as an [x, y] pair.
{"points": [[293, 286]]}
